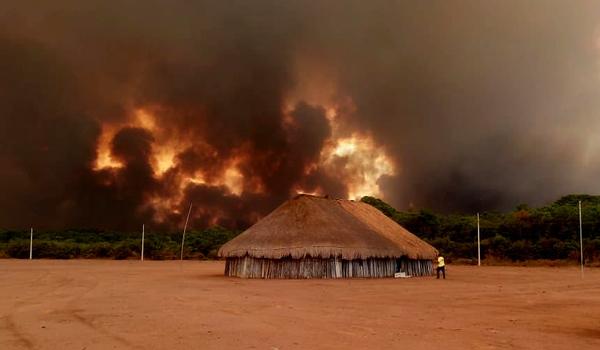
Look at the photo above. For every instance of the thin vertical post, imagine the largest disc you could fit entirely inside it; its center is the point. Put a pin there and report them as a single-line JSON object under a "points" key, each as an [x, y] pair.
{"points": [[581, 239], [478, 243], [31, 245], [184, 228], [142, 242]]}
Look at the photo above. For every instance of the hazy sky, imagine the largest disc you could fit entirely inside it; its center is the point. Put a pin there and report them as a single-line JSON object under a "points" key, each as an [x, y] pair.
{"points": [[115, 114]]}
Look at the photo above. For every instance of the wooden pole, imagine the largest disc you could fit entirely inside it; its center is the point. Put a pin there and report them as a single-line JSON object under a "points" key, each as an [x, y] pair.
{"points": [[184, 228], [478, 243], [581, 239], [31, 245], [142, 242]]}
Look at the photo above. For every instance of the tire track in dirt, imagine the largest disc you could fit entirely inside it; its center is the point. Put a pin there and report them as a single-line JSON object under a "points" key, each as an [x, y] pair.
{"points": [[59, 284], [18, 334], [89, 323], [71, 309], [10, 318]]}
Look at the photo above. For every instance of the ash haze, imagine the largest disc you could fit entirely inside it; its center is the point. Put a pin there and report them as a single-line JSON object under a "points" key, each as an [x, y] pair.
{"points": [[117, 114]]}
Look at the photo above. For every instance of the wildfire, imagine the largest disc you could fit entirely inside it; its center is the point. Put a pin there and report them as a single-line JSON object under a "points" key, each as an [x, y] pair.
{"points": [[139, 119], [164, 159], [364, 163], [104, 159], [355, 158], [233, 180], [144, 119], [349, 155]]}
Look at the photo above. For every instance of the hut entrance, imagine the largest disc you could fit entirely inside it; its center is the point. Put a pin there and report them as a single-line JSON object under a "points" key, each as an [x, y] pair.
{"points": [[414, 267]]}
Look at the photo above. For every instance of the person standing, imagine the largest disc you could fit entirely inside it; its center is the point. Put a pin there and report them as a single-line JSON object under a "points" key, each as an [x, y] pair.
{"points": [[441, 267]]}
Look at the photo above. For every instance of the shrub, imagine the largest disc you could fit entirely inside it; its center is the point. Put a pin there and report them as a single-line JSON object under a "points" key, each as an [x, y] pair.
{"points": [[56, 250], [127, 249], [520, 250], [97, 250], [18, 249]]}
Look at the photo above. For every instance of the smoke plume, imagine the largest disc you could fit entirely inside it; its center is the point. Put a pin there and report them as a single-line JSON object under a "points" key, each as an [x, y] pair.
{"points": [[116, 115]]}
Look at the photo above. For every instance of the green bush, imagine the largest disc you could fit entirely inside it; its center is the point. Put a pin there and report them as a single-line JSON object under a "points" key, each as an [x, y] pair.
{"points": [[160, 247], [97, 250], [497, 246], [520, 250], [18, 249], [208, 241], [127, 249], [56, 250]]}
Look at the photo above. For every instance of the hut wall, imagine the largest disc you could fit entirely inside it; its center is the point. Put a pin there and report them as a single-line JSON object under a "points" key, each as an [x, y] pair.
{"points": [[249, 267]]}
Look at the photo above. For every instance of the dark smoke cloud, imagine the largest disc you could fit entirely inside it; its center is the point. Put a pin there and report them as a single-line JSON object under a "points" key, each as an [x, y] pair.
{"points": [[482, 105]]}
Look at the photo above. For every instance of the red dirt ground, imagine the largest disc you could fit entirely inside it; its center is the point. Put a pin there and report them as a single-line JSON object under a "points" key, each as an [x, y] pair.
{"points": [[94, 304]]}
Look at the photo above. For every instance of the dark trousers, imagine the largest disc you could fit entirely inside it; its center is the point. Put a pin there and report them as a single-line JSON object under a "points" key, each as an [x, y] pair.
{"points": [[443, 269]]}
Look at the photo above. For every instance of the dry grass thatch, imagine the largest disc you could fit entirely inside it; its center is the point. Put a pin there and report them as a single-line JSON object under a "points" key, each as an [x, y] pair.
{"points": [[309, 226]]}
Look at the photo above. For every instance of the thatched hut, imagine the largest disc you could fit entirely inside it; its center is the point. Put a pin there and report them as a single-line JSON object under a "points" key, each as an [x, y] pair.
{"points": [[315, 237]]}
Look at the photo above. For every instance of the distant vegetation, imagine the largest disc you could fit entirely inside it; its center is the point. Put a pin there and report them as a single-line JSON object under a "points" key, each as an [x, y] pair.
{"points": [[550, 232], [115, 245]]}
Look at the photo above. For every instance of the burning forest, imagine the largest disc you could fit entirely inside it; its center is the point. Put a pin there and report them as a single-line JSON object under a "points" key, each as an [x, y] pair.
{"points": [[115, 115]]}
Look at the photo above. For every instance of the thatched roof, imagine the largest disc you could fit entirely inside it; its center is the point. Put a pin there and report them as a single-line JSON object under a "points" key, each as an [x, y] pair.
{"points": [[321, 227]]}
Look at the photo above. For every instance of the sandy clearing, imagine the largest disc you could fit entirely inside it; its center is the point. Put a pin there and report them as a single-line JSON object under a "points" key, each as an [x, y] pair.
{"points": [[95, 304]]}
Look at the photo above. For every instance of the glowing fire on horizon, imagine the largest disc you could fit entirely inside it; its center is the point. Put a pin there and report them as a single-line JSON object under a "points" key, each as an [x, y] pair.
{"points": [[104, 159], [355, 158], [364, 164]]}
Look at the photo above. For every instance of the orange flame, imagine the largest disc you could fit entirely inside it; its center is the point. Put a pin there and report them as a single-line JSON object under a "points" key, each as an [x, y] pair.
{"points": [[364, 164], [104, 159], [353, 157]]}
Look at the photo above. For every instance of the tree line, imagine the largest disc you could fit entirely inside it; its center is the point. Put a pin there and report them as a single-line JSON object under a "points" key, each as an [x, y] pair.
{"points": [[549, 232], [92, 243]]}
